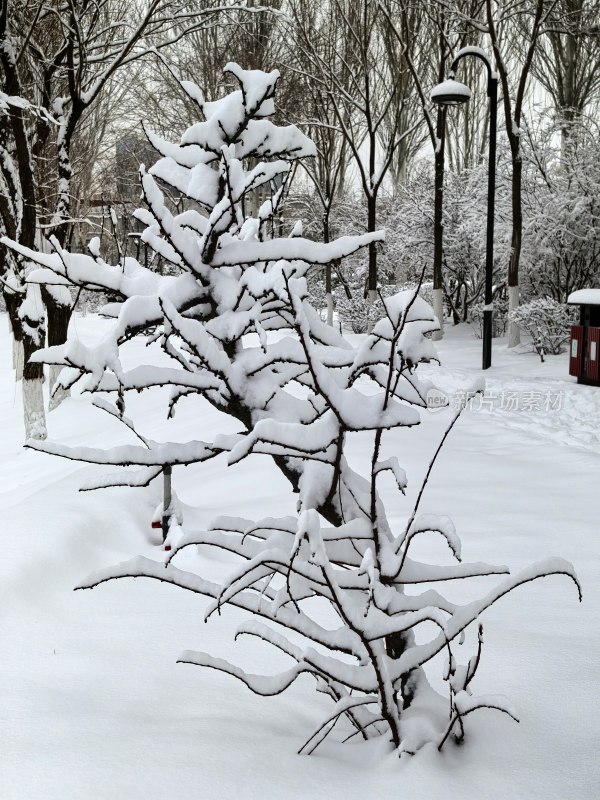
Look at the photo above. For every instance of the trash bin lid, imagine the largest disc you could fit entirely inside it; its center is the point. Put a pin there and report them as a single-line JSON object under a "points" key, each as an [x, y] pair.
{"points": [[585, 297]]}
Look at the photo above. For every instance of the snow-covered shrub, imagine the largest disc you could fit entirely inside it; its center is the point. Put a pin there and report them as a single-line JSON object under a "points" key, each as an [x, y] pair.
{"points": [[425, 290], [499, 319], [340, 546], [547, 322], [357, 313]]}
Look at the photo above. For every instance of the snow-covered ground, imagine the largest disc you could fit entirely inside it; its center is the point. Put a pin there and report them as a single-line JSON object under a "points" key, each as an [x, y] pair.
{"points": [[93, 705]]}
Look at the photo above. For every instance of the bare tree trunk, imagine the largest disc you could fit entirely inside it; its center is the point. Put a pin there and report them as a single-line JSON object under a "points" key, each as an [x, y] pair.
{"points": [[31, 316], [329, 305], [328, 283], [456, 306], [18, 358], [513, 303], [371, 227], [33, 408], [329, 295], [58, 309], [32, 383], [567, 112], [13, 301]]}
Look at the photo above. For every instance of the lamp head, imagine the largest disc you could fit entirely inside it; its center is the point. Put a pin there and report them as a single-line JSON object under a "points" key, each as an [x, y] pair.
{"points": [[450, 93]]}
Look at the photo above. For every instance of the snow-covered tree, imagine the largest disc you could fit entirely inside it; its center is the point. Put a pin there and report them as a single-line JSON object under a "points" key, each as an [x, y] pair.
{"points": [[56, 60], [373, 110], [561, 241], [508, 24], [566, 62], [298, 396]]}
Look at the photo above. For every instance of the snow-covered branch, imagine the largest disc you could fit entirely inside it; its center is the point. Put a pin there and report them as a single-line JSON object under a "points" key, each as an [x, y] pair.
{"points": [[241, 335]]}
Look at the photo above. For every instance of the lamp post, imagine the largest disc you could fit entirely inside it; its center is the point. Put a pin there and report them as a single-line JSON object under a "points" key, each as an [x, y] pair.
{"points": [[453, 93]]}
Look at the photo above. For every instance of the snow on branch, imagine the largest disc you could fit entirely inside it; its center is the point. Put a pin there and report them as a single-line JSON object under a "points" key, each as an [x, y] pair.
{"points": [[240, 334], [156, 454], [297, 249]]}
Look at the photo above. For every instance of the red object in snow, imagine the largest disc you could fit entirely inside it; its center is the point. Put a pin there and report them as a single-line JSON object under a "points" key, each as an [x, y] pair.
{"points": [[592, 372], [157, 524], [584, 355], [576, 353], [167, 547]]}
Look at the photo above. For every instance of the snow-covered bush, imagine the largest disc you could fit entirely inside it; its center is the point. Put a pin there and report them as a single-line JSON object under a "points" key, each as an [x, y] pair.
{"points": [[297, 397], [547, 322], [356, 313], [499, 320]]}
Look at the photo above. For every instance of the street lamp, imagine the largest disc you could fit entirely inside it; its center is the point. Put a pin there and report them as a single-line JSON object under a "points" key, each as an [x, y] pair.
{"points": [[453, 93]]}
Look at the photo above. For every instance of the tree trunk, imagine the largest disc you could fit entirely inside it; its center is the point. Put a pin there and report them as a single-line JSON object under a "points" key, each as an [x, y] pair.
{"points": [[59, 315], [514, 337], [567, 112], [329, 295], [31, 317], [33, 397], [18, 358], [328, 286], [371, 227], [371, 286], [438, 310], [33, 408], [13, 301], [329, 304], [456, 305]]}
